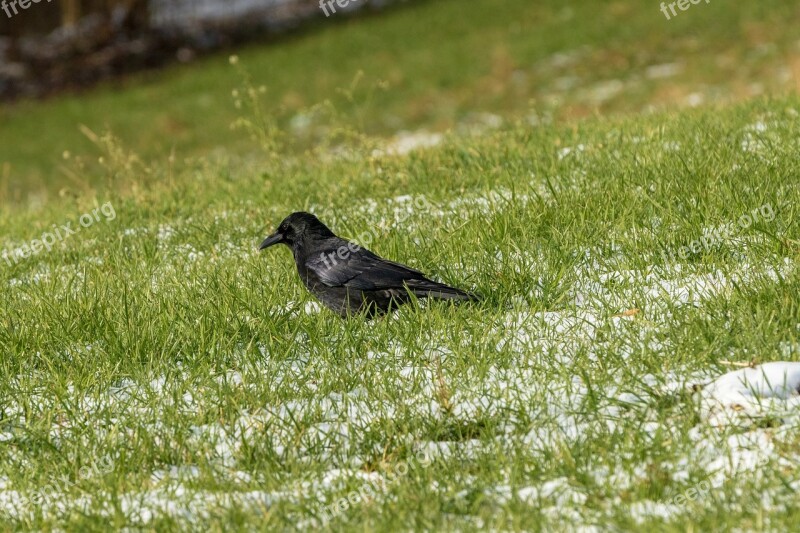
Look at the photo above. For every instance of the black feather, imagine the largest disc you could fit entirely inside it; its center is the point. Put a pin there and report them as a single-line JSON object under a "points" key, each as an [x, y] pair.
{"points": [[349, 279]]}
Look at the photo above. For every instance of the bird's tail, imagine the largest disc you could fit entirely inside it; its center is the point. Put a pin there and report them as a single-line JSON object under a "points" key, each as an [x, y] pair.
{"points": [[432, 289]]}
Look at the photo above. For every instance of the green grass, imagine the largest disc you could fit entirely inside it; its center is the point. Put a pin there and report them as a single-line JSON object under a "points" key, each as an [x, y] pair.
{"points": [[540, 386], [433, 64], [159, 373]]}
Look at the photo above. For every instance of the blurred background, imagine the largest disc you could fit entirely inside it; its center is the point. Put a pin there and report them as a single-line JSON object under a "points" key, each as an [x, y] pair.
{"points": [[158, 76], [49, 46]]}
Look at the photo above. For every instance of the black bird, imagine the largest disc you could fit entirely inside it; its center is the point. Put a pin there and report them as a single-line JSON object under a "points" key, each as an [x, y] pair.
{"points": [[349, 279]]}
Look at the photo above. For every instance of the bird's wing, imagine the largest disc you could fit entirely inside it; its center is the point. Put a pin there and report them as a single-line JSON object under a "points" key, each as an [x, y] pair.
{"points": [[362, 270]]}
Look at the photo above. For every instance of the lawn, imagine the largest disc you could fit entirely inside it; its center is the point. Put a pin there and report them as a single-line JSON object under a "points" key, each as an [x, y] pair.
{"points": [[160, 373], [435, 64]]}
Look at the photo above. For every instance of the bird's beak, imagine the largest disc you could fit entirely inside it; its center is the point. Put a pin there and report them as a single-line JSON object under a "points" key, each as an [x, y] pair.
{"points": [[275, 238]]}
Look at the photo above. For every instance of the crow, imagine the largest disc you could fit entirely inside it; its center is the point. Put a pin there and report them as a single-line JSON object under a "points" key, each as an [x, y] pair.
{"points": [[350, 279]]}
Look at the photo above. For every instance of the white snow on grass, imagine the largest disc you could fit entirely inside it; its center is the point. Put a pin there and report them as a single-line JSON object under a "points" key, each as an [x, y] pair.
{"points": [[764, 390], [406, 142], [534, 413]]}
